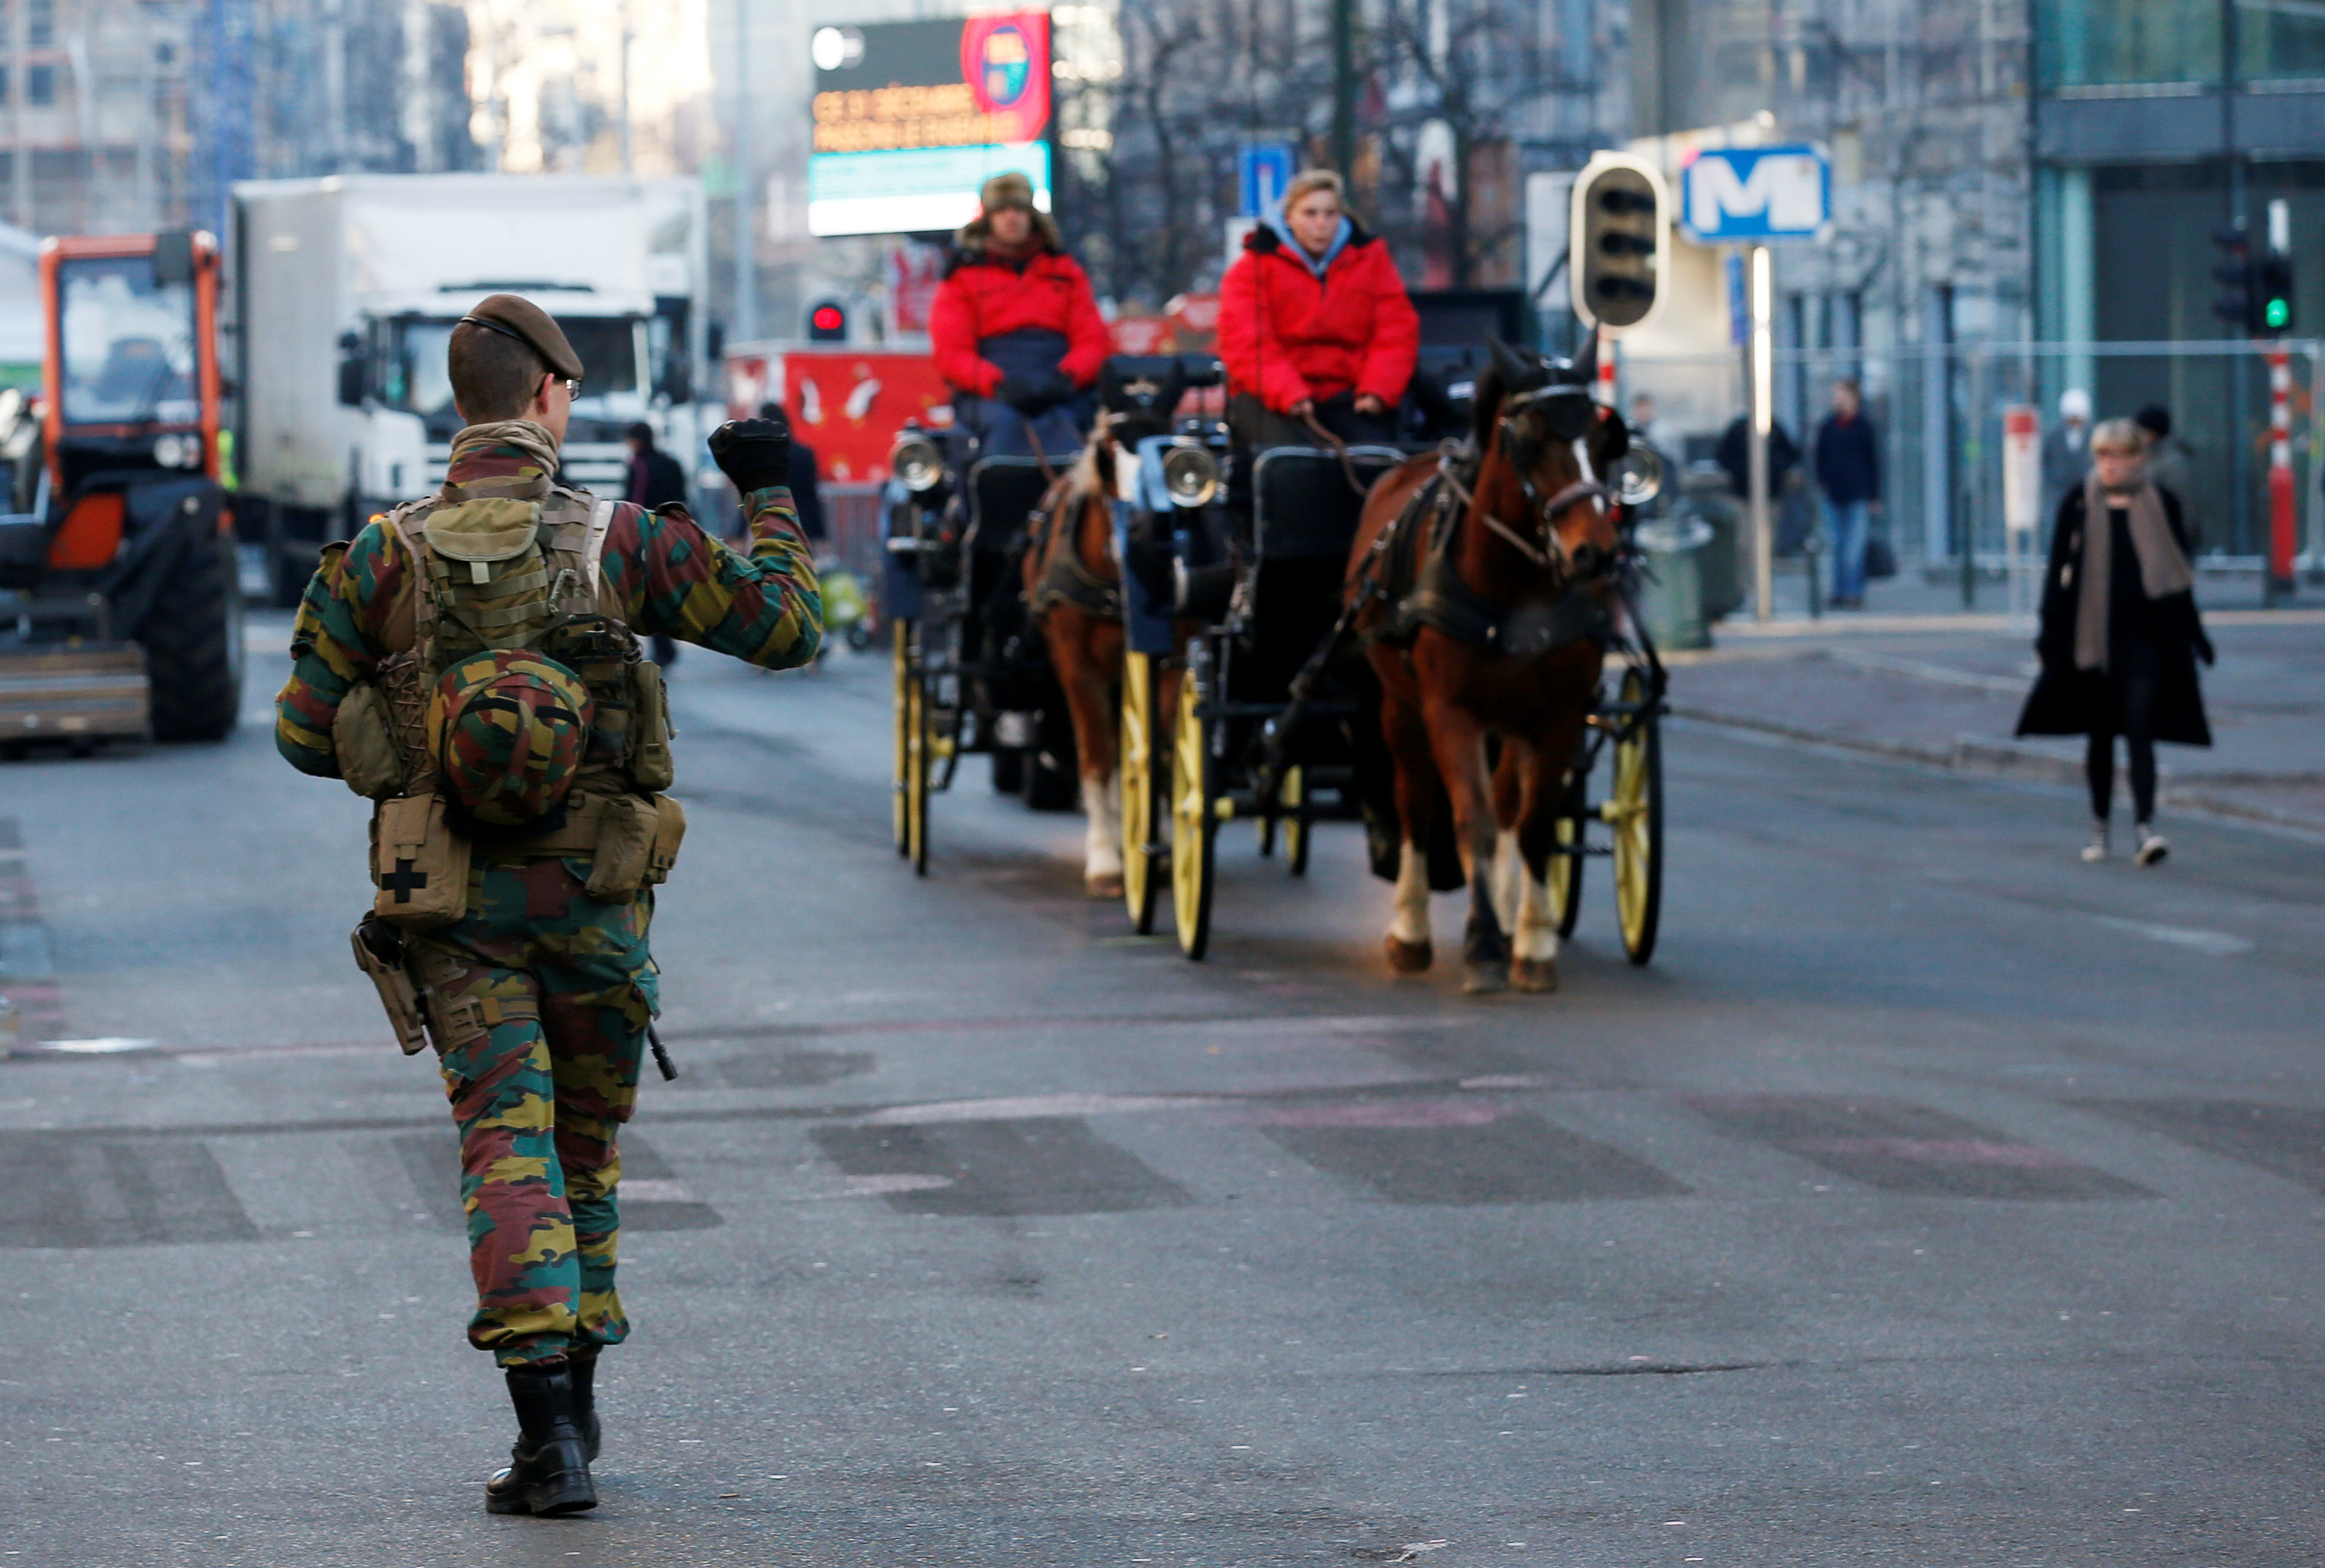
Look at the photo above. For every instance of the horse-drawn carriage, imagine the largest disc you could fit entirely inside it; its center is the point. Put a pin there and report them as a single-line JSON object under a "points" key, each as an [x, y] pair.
{"points": [[1269, 707], [1435, 636], [967, 677]]}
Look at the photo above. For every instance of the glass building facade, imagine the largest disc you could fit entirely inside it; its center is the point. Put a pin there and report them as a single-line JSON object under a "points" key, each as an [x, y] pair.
{"points": [[2143, 148]]}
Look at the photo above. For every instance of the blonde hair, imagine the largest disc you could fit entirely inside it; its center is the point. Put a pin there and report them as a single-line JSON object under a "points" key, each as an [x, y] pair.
{"points": [[1309, 182], [2117, 435]]}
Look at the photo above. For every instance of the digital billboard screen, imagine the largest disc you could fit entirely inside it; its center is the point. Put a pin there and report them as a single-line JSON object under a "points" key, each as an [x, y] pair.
{"points": [[912, 117]]}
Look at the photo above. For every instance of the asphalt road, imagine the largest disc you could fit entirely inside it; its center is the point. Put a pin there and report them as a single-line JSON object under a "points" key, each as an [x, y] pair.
{"points": [[1933, 1199]]}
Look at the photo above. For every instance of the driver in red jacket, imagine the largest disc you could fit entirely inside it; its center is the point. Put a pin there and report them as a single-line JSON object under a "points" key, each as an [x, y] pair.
{"points": [[1016, 328], [1314, 323]]}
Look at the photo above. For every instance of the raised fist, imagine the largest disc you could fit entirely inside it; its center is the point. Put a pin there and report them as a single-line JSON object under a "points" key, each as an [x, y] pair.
{"points": [[753, 452]]}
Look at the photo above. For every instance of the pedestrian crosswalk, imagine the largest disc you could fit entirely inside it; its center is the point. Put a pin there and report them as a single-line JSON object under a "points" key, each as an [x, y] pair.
{"points": [[1414, 1145]]}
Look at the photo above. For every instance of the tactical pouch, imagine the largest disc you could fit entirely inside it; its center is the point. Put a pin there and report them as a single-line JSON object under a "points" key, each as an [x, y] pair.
{"points": [[379, 953], [651, 765], [670, 832], [456, 1026], [625, 842], [370, 760], [419, 864]]}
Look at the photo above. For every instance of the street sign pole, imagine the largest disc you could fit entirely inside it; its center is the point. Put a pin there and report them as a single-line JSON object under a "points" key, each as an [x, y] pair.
{"points": [[2280, 474], [1763, 415], [2022, 501]]}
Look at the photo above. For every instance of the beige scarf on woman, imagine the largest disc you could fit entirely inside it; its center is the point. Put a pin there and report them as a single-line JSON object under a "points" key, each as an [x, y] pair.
{"points": [[2162, 568]]}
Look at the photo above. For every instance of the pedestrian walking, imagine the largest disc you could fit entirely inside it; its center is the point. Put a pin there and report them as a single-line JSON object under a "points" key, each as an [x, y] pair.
{"points": [[1848, 472], [655, 481], [1735, 456], [806, 484], [1648, 424], [2120, 636], [2171, 464], [470, 663], [2066, 453]]}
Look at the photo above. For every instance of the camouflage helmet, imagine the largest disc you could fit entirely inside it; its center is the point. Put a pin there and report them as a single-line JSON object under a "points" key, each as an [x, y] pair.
{"points": [[509, 728]]}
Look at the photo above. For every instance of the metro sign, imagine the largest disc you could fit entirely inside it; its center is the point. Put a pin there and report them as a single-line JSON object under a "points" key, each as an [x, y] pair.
{"points": [[1756, 194]]}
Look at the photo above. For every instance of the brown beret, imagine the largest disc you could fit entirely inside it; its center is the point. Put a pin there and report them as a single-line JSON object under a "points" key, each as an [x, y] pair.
{"points": [[514, 316]]}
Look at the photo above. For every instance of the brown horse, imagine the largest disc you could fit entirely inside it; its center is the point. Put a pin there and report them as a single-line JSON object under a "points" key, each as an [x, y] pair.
{"points": [[1073, 590], [1491, 604]]}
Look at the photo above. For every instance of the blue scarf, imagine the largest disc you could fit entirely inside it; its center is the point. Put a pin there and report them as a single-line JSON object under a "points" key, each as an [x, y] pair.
{"points": [[1316, 264]]}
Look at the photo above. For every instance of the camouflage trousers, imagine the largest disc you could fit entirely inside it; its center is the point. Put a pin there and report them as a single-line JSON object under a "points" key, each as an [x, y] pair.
{"points": [[563, 990]]}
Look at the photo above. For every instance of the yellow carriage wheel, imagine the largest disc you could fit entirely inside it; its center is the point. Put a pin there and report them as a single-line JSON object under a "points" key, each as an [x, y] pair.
{"points": [[1565, 877], [900, 633], [1143, 804], [1194, 820], [1636, 812], [1292, 795], [918, 745]]}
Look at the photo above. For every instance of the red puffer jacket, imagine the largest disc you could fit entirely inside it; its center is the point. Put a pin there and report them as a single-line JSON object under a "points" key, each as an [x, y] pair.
{"points": [[1284, 334], [983, 297]]}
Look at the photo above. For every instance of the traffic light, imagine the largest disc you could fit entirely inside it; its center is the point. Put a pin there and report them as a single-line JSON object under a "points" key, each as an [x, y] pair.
{"points": [[2273, 279], [2239, 303], [827, 322], [1619, 239]]}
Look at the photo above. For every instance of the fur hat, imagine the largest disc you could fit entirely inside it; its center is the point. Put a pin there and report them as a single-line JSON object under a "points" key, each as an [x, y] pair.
{"points": [[1007, 188]]}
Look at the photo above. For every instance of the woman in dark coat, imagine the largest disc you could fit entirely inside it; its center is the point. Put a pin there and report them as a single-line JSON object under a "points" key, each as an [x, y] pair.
{"points": [[2121, 633]]}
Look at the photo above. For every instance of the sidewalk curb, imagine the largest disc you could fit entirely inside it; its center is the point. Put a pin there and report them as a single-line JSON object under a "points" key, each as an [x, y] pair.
{"points": [[1986, 756]]}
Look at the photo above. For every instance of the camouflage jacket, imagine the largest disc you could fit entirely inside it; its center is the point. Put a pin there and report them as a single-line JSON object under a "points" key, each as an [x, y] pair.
{"points": [[670, 576]]}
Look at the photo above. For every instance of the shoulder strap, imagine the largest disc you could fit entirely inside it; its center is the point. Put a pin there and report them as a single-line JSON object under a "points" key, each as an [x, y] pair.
{"points": [[408, 522]]}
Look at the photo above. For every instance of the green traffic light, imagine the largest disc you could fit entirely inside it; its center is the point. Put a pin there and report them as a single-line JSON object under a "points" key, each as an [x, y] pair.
{"points": [[2278, 312]]}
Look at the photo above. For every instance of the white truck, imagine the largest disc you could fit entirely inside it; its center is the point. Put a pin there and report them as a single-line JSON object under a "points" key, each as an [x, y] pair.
{"points": [[345, 293]]}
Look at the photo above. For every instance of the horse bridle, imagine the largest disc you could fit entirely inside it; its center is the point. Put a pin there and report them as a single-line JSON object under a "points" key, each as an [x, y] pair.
{"points": [[1569, 410]]}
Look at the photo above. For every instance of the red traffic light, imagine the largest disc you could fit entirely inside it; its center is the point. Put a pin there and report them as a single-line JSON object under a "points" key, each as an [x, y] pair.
{"points": [[831, 318], [827, 321]]}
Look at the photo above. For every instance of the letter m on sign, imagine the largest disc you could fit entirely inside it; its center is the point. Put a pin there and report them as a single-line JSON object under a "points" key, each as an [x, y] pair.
{"points": [[1758, 193]]}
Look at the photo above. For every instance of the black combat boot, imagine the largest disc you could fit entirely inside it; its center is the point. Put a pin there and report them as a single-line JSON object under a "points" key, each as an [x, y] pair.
{"points": [[548, 1472], [583, 1361]]}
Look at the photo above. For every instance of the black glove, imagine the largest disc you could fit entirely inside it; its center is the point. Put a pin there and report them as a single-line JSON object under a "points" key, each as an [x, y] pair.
{"points": [[1036, 394], [753, 452], [1023, 395]]}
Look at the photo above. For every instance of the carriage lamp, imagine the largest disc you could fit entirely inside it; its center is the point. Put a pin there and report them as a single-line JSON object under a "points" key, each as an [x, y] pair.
{"points": [[917, 462], [1639, 477], [1191, 475]]}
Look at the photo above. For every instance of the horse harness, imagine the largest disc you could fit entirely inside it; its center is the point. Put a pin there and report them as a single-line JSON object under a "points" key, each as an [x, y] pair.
{"points": [[1064, 579], [1437, 597]]}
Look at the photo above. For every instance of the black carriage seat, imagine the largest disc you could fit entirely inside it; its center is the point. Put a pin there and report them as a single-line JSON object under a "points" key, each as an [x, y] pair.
{"points": [[1304, 518]]}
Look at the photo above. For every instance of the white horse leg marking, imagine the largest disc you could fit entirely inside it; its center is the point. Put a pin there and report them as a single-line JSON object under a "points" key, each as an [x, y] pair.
{"points": [[1410, 924], [1535, 936], [1508, 874], [1102, 834]]}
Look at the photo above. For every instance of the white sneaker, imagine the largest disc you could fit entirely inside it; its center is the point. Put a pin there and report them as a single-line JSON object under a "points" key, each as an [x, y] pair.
{"points": [[2152, 847], [2096, 849]]}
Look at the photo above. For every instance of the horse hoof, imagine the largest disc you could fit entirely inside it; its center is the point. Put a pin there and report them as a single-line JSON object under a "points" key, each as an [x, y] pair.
{"points": [[1408, 958], [1106, 885], [1534, 974], [1484, 980]]}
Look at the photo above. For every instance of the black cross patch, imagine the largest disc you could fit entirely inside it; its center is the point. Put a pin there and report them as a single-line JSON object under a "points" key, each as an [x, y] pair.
{"points": [[402, 880]]}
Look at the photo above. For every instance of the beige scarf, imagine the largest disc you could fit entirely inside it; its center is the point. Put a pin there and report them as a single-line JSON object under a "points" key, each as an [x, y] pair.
{"points": [[2162, 568]]}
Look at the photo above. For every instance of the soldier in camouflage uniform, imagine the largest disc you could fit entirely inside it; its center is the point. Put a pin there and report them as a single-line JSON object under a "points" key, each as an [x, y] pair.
{"points": [[522, 733]]}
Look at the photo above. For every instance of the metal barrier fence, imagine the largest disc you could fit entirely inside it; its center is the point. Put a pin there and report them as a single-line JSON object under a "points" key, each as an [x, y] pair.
{"points": [[1938, 412], [851, 518]]}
